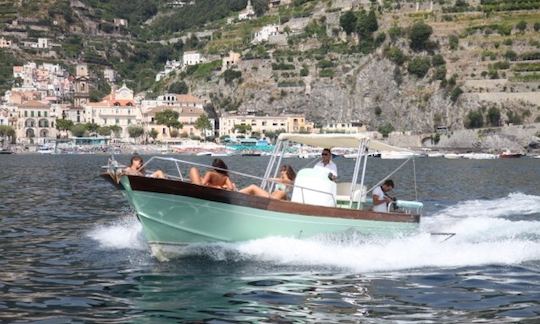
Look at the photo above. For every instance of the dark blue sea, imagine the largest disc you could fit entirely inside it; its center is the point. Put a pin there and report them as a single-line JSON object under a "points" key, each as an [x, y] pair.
{"points": [[71, 250]]}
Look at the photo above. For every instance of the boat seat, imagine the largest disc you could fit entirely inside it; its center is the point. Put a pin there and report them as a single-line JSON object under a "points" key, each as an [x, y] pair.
{"points": [[312, 186], [344, 191]]}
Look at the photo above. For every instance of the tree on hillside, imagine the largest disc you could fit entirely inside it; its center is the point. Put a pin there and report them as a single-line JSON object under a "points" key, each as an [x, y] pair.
{"points": [[179, 87], [135, 131], [203, 123], [78, 130], [92, 127], [242, 129], [64, 124], [7, 132], [116, 130], [366, 24], [419, 36], [104, 131], [168, 118], [347, 21], [153, 134], [494, 116]]}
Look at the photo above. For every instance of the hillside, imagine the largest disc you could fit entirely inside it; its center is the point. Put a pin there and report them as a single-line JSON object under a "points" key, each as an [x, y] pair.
{"points": [[390, 65]]}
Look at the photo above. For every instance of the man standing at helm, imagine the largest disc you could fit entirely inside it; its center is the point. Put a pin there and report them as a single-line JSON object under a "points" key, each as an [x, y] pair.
{"points": [[326, 163]]}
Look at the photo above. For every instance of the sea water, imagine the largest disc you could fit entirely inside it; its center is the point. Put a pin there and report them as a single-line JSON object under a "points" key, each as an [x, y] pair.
{"points": [[72, 250]]}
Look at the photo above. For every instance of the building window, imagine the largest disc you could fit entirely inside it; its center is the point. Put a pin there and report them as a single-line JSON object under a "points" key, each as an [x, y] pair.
{"points": [[39, 113], [163, 131], [32, 113], [129, 121], [45, 114], [263, 123], [25, 113], [274, 124], [117, 121], [105, 121]]}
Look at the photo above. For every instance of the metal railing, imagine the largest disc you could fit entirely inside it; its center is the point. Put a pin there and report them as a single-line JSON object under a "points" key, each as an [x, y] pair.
{"points": [[178, 162]]}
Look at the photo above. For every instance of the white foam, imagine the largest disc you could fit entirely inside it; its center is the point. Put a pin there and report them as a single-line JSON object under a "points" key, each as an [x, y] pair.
{"points": [[481, 238], [485, 234], [124, 233]]}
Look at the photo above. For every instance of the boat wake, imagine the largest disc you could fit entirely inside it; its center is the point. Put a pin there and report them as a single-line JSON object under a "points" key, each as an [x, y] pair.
{"points": [[501, 231], [124, 233]]}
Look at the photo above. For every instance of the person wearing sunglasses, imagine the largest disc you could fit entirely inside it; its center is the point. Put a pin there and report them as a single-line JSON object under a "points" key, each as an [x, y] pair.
{"points": [[326, 163]]}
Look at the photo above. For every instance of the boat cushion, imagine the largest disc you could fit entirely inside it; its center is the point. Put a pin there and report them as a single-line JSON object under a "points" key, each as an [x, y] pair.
{"points": [[312, 186]]}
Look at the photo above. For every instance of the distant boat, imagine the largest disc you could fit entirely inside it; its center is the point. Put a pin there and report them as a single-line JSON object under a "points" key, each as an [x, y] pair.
{"points": [[45, 149], [453, 156], [6, 151], [479, 156], [251, 154], [507, 154], [205, 153], [435, 154], [392, 155]]}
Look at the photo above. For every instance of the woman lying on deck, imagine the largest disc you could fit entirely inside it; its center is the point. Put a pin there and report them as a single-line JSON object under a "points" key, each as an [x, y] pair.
{"points": [[217, 178], [286, 178]]}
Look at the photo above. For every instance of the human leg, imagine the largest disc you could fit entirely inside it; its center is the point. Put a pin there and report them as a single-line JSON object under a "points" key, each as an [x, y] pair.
{"points": [[255, 190], [195, 176]]}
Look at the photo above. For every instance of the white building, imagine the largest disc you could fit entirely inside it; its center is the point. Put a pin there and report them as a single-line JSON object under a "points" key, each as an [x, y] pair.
{"points": [[43, 43], [170, 66], [4, 43], [109, 75], [192, 58], [353, 127], [118, 108], [264, 34], [264, 124], [173, 99], [248, 13], [186, 116]]}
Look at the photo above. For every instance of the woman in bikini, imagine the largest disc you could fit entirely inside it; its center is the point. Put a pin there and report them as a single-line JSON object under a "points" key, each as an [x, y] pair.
{"points": [[217, 178], [282, 188]]}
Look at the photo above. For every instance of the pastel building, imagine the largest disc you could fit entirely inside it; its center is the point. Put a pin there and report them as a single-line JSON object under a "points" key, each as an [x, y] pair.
{"points": [[35, 123], [186, 115], [263, 124], [118, 108]]}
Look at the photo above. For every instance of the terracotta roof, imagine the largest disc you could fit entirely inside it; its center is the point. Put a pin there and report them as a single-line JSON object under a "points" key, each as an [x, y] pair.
{"points": [[187, 98], [33, 104]]}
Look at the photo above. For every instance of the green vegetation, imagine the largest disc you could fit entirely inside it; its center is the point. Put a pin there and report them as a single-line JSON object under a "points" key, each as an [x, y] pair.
{"points": [[203, 123], [453, 42], [474, 119], [494, 117], [522, 67], [7, 132], [135, 131], [395, 55], [179, 87], [419, 36], [231, 75], [386, 129], [6, 69], [455, 93], [168, 118], [419, 66]]}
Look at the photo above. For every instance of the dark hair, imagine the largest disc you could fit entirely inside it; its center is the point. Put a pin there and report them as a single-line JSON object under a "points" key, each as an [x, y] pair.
{"points": [[327, 150], [218, 163], [137, 158], [289, 170], [389, 182]]}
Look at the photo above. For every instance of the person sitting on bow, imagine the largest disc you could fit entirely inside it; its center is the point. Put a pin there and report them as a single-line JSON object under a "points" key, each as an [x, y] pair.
{"points": [[216, 178]]}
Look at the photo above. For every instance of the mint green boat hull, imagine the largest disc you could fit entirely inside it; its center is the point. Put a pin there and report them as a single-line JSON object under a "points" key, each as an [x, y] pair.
{"points": [[171, 219]]}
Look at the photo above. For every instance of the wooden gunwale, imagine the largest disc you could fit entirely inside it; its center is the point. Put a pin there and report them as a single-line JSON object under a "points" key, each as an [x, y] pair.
{"points": [[182, 188]]}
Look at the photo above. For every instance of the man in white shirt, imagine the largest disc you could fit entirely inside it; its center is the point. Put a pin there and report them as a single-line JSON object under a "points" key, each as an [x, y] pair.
{"points": [[326, 163], [380, 199]]}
